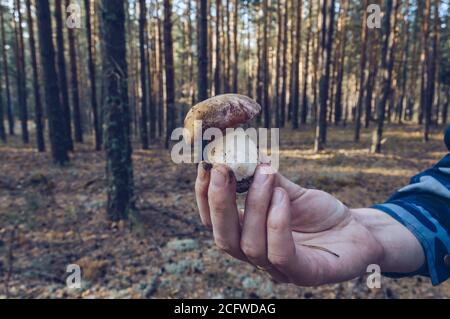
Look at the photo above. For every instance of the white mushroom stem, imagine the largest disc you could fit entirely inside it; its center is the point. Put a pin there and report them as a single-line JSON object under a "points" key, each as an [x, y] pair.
{"points": [[236, 150]]}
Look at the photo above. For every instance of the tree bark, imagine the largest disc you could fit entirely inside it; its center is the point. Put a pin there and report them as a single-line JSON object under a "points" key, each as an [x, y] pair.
{"points": [[169, 70], [217, 71], [265, 67], [92, 79], [304, 113], [190, 53], [404, 75], [21, 74], [235, 46], [77, 124], [227, 71], [342, 57], [203, 50], [445, 106], [161, 74], [277, 66], [57, 133], [430, 62], [326, 45], [149, 71], [295, 94], [119, 167], [387, 64], [62, 77], [2, 116], [373, 71], [38, 116], [9, 111], [362, 73], [143, 69], [284, 67]]}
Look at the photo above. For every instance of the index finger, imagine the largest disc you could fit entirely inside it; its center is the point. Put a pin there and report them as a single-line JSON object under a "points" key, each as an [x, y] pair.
{"points": [[224, 212], [201, 192]]}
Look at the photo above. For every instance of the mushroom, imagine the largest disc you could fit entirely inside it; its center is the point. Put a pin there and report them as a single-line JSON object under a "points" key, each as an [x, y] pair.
{"points": [[235, 149]]}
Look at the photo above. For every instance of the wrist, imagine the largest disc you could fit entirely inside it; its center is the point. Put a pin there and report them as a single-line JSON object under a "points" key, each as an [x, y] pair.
{"points": [[403, 253]]}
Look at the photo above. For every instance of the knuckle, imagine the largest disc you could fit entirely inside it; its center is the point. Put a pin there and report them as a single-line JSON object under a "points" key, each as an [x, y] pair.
{"points": [[252, 252], [275, 225], [217, 204], [224, 245], [201, 187], [278, 260]]}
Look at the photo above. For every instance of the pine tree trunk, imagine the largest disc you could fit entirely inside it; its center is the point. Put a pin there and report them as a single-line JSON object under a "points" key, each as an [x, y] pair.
{"points": [[295, 95], [404, 76], [259, 79], [284, 67], [227, 70], [430, 62], [387, 64], [277, 66], [373, 72], [9, 111], [304, 114], [161, 73], [57, 131], [92, 79], [119, 167], [210, 49], [2, 116], [143, 69], [326, 45], [265, 67], [149, 70], [362, 73], [62, 77], [38, 116], [235, 46], [169, 70], [21, 74], [316, 62], [342, 57], [217, 71], [203, 50], [78, 128], [445, 106], [190, 53]]}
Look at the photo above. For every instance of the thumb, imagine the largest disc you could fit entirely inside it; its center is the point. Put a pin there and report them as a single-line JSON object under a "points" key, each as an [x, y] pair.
{"points": [[293, 190]]}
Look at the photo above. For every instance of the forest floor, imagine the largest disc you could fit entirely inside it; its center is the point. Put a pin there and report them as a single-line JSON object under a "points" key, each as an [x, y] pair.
{"points": [[51, 217]]}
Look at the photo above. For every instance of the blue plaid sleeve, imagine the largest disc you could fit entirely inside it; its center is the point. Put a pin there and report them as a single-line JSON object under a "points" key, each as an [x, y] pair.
{"points": [[423, 207]]}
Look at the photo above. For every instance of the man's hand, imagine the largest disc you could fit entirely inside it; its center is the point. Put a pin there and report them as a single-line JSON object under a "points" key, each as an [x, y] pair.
{"points": [[303, 236]]}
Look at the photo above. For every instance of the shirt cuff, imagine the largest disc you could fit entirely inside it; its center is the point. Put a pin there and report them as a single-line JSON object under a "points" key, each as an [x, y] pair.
{"points": [[435, 241]]}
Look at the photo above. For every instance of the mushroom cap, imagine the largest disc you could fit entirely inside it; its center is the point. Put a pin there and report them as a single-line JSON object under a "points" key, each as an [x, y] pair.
{"points": [[222, 112]]}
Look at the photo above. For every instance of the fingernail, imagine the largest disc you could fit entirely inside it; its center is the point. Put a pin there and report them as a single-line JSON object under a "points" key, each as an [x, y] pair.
{"points": [[206, 166], [203, 169], [278, 195], [218, 178]]}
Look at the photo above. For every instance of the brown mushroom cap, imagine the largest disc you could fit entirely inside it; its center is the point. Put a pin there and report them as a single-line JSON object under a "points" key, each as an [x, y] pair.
{"points": [[221, 111]]}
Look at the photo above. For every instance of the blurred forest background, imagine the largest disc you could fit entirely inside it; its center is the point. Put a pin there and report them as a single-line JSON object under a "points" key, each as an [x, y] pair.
{"points": [[87, 85]]}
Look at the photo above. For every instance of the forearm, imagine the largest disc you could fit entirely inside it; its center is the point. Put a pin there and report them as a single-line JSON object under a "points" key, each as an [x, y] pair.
{"points": [[402, 251]]}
